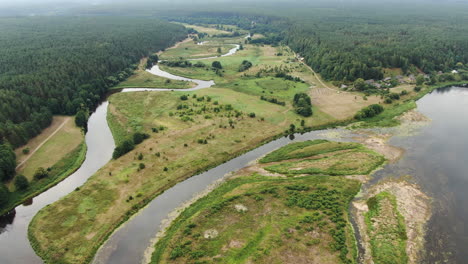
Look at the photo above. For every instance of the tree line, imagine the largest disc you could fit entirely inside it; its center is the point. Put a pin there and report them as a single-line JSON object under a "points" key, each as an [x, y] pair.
{"points": [[344, 48]]}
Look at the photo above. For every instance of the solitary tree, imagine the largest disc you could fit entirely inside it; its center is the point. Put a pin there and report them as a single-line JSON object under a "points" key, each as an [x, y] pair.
{"points": [[216, 65], [81, 119], [21, 183]]}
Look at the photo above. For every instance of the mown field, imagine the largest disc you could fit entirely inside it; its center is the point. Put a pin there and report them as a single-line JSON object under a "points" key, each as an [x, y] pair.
{"points": [[263, 219]]}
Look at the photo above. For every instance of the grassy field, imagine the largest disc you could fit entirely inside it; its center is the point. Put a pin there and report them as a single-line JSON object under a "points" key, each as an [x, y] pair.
{"points": [[386, 229], [191, 50], [67, 139], [263, 219], [257, 219], [170, 155], [338, 163], [144, 79], [306, 149], [186, 137], [62, 154]]}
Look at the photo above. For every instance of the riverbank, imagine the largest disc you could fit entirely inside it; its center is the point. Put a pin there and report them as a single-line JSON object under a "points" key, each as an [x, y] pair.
{"points": [[61, 150], [399, 208], [175, 151], [247, 194]]}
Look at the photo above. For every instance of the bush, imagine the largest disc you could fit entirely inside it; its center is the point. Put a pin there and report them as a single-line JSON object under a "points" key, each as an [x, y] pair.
{"points": [[141, 166], [40, 173], [25, 151], [369, 111], [183, 97], [216, 65], [245, 65], [302, 104], [372, 203], [394, 96], [252, 115], [388, 101], [123, 148], [21, 182], [417, 88], [139, 137]]}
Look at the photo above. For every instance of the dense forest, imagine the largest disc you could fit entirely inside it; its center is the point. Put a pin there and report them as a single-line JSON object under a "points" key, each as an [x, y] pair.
{"points": [[59, 65], [344, 47]]}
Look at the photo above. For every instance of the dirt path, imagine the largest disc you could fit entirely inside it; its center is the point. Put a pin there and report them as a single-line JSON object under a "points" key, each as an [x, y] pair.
{"points": [[43, 142]]}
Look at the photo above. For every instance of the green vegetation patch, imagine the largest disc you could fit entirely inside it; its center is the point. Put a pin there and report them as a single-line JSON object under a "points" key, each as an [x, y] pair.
{"points": [[356, 162], [307, 149], [386, 229], [260, 219]]}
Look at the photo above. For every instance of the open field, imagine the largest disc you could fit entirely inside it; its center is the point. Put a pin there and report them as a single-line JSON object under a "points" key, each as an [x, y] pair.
{"points": [[189, 133], [33, 143], [61, 155], [144, 79], [170, 156], [191, 50], [58, 146], [257, 219], [254, 218]]}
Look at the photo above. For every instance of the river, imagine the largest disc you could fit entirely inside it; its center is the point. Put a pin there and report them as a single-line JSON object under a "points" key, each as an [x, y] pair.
{"points": [[437, 158]]}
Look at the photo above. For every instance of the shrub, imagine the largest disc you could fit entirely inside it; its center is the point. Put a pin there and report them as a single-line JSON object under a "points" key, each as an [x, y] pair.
{"points": [[139, 137], [245, 65], [417, 88], [369, 111], [394, 96], [21, 182], [302, 104], [123, 148], [141, 166], [216, 65], [252, 115], [40, 173], [183, 97], [25, 151]]}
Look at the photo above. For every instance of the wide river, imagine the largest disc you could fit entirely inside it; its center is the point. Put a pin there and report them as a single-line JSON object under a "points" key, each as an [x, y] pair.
{"points": [[437, 158]]}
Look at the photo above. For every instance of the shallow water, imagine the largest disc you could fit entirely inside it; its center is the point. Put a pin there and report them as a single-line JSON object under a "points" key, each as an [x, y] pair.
{"points": [[437, 159]]}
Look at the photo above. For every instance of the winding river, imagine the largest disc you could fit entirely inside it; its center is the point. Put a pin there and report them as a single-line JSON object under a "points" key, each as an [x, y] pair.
{"points": [[437, 158]]}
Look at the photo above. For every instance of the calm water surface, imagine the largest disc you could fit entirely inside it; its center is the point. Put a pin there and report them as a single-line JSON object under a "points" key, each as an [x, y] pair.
{"points": [[437, 159]]}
